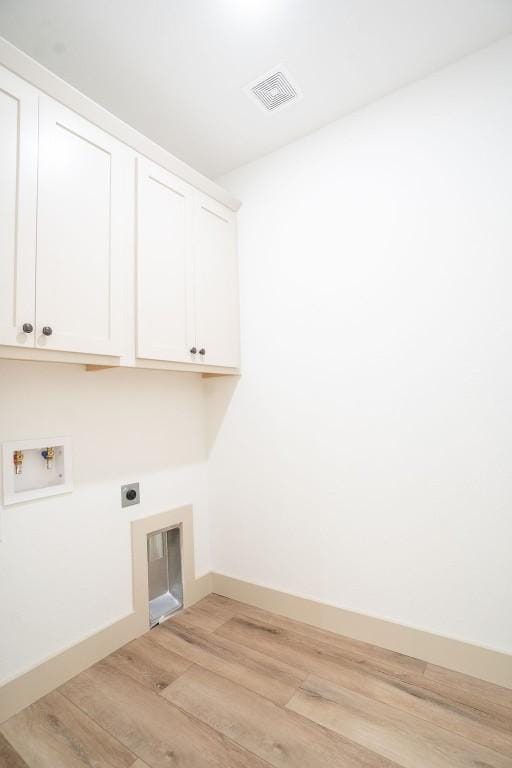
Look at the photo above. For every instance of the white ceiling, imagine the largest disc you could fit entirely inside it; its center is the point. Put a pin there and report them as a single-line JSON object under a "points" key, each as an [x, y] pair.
{"points": [[175, 69]]}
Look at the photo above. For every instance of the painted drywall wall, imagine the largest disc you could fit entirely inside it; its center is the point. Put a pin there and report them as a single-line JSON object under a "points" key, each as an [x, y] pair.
{"points": [[65, 561], [364, 459]]}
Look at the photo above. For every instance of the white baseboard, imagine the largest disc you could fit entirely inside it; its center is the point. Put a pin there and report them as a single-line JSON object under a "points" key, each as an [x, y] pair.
{"points": [[37, 682], [484, 663]]}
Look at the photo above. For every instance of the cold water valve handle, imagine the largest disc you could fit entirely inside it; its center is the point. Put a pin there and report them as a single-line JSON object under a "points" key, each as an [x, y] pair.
{"points": [[49, 455]]}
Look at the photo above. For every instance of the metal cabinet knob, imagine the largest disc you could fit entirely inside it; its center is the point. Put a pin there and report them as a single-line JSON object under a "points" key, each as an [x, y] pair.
{"points": [[28, 327], [193, 351], [47, 331], [202, 351]]}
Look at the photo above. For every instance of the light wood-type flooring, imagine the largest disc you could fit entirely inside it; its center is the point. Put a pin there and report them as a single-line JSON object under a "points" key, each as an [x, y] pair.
{"points": [[226, 685]]}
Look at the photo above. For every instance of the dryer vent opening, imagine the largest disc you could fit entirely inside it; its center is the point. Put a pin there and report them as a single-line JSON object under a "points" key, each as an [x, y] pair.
{"points": [[165, 581]]}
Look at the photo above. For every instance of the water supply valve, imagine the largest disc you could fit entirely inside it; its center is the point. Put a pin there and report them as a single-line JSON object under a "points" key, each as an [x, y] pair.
{"points": [[17, 458], [49, 455]]}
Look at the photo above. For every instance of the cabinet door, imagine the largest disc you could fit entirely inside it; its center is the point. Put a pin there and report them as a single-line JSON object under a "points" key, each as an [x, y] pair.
{"points": [[164, 266], [83, 217], [216, 284], [18, 195]]}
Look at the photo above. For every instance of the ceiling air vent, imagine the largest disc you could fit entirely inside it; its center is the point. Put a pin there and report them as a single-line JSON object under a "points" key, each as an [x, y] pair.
{"points": [[274, 90]]}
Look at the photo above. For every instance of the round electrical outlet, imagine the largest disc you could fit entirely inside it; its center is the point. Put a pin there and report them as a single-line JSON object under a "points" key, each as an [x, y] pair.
{"points": [[130, 494]]}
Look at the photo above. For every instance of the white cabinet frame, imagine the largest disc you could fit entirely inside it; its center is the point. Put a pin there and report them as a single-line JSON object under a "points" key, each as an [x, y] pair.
{"points": [[18, 200]]}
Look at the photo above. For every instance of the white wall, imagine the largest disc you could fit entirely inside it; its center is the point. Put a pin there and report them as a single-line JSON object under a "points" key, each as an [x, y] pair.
{"points": [[364, 459], [65, 562]]}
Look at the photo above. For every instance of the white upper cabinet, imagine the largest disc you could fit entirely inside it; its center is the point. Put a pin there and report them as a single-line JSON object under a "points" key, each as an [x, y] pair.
{"points": [[83, 216], [164, 265], [18, 195], [187, 282], [216, 284]]}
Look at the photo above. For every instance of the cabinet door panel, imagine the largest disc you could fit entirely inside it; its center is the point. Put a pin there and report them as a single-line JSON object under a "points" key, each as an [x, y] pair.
{"points": [[164, 281], [18, 195], [82, 219], [216, 284]]}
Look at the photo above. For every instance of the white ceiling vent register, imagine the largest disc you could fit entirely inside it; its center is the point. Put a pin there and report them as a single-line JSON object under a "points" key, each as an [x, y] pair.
{"points": [[274, 90]]}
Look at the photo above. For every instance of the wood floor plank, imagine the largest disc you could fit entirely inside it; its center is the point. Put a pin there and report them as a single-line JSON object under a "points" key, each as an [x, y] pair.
{"points": [[149, 663], [468, 698], [198, 617], [153, 729], [317, 635], [225, 684], [272, 733], [401, 737], [295, 649], [207, 614], [269, 677], [467, 691], [9, 758], [472, 685], [470, 723], [53, 733], [218, 606]]}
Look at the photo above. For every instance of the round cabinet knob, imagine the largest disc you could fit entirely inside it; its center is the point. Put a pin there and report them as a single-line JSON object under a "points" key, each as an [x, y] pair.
{"points": [[28, 327], [131, 494], [193, 351], [202, 351], [47, 331]]}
